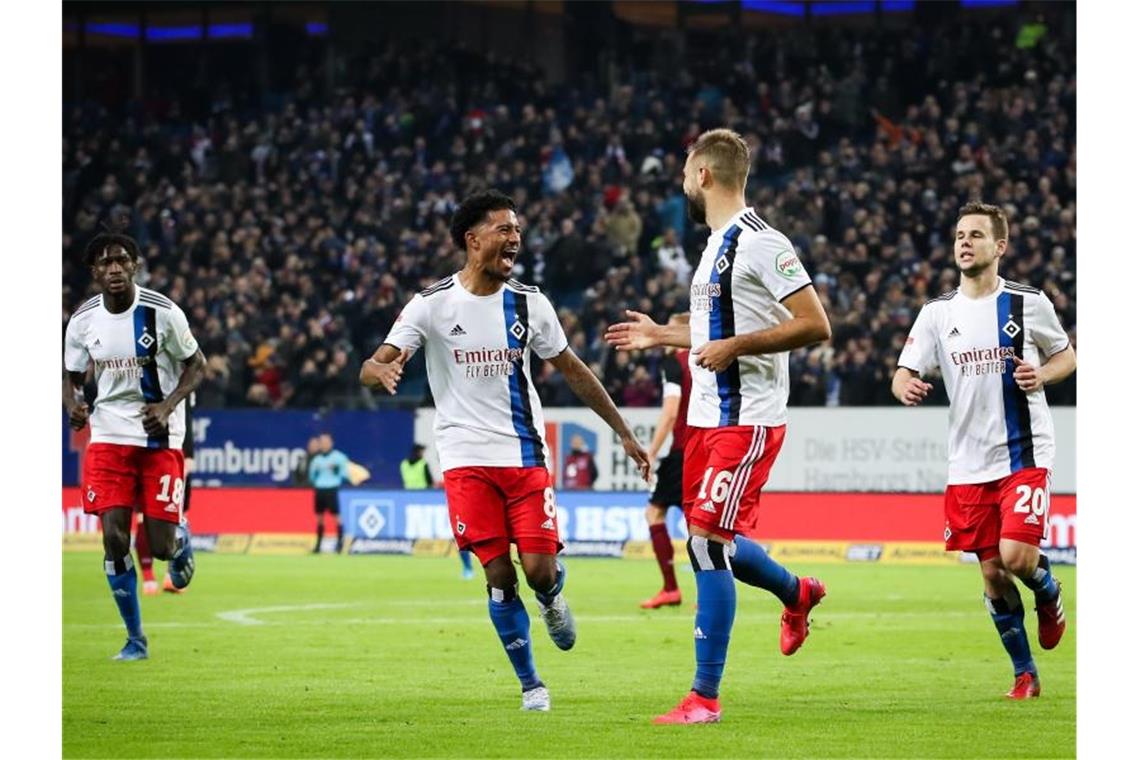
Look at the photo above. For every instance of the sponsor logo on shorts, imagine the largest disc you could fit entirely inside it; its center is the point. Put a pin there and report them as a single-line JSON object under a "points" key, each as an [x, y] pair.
{"points": [[460, 526], [947, 534], [171, 507], [91, 495], [1031, 519], [708, 506], [549, 524]]}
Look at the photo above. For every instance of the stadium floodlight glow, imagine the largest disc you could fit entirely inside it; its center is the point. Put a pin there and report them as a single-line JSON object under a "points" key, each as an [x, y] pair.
{"points": [[316, 28], [229, 31], [778, 7], [842, 7], [164, 33], [896, 6], [114, 29]]}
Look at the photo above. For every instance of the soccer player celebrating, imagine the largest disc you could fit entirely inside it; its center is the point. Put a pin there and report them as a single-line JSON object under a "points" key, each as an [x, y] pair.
{"points": [[997, 344], [480, 328], [146, 363], [675, 392], [750, 303]]}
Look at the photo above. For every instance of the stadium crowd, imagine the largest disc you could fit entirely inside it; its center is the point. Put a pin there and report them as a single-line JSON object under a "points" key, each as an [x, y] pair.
{"points": [[293, 233]]}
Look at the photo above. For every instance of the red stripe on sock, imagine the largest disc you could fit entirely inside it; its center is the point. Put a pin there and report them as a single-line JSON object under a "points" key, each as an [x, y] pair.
{"points": [[663, 550]]}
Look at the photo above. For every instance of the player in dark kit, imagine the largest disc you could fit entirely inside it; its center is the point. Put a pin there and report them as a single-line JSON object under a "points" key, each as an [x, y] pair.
{"points": [[146, 363], [668, 490]]}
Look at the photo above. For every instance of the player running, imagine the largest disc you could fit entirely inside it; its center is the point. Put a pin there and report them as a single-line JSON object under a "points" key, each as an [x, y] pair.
{"points": [[750, 303], [480, 328], [675, 392], [146, 363], [998, 344]]}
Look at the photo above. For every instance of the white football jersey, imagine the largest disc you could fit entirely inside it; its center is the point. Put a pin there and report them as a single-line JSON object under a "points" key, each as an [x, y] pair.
{"points": [[746, 270], [995, 427], [478, 365], [138, 357]]}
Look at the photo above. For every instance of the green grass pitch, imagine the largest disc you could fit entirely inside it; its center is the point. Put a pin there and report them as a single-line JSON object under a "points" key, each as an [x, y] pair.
{"points": [[327, 656]]}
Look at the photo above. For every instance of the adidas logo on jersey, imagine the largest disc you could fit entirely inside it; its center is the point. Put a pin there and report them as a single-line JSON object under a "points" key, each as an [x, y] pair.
{"points": [[953, 333], [97, 343], [457, 330], [549, 524]]}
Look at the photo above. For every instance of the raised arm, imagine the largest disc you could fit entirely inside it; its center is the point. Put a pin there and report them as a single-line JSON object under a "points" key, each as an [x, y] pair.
{"points": [[587, 387]]}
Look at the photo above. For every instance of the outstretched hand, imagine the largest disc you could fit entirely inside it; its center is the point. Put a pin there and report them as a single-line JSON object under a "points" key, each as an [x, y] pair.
{"points": [[386, 375], [636, 334]]}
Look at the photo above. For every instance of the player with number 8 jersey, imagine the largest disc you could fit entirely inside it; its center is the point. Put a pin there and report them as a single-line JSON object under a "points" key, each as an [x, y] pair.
{"points": [[146, 362], [998, 344], [478, 329]]}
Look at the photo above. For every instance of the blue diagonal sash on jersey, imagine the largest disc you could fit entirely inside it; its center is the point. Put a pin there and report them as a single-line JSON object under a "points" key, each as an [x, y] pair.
{"points": [[1011, 334], [515, 318], [146, 349], [722, 324]]}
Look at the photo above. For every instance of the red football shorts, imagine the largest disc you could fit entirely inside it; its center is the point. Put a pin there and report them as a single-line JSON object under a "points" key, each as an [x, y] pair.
{"points": [[979, 515], [117, 475], [492, 507], [725, 468]]}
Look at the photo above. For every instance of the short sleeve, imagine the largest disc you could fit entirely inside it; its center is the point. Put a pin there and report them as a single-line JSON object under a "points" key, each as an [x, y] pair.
{"points": [[1045, 329], [547, 337], [671, 376], [411, 327], [180, 340], [75, 356], [770, 258], [919, 353]]}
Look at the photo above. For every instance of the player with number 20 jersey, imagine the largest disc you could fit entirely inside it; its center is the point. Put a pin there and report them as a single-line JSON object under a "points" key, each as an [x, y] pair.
{"points": [[997, 344]]}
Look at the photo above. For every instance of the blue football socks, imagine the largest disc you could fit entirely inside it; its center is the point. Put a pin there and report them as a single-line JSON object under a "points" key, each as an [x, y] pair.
{"points": [[716, 609], [546, 597], [1042, 583], [513, 626], [752, 565], [1009, 619], [123, 579]]}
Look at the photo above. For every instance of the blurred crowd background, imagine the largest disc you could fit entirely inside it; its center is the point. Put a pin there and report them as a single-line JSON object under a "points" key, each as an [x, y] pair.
{"points": [[292, 219]]}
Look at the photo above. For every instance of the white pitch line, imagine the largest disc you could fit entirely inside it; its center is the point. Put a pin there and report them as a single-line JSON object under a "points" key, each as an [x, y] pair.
{"points": [[241, 617], [246, 616]]}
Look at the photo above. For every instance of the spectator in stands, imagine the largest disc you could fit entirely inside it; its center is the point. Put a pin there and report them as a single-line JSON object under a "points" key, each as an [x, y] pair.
{"points": [[580, 471]]}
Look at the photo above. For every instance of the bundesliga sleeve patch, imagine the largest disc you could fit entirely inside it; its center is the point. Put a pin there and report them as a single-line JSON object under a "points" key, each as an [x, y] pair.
{"points": [[787, 265]]}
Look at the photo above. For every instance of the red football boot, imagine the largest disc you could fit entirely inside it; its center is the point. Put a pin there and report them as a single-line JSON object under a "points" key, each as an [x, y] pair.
{"points": [[1025, 686], [693, 709], [662, 599], [1051, 622], [794, 621]]}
